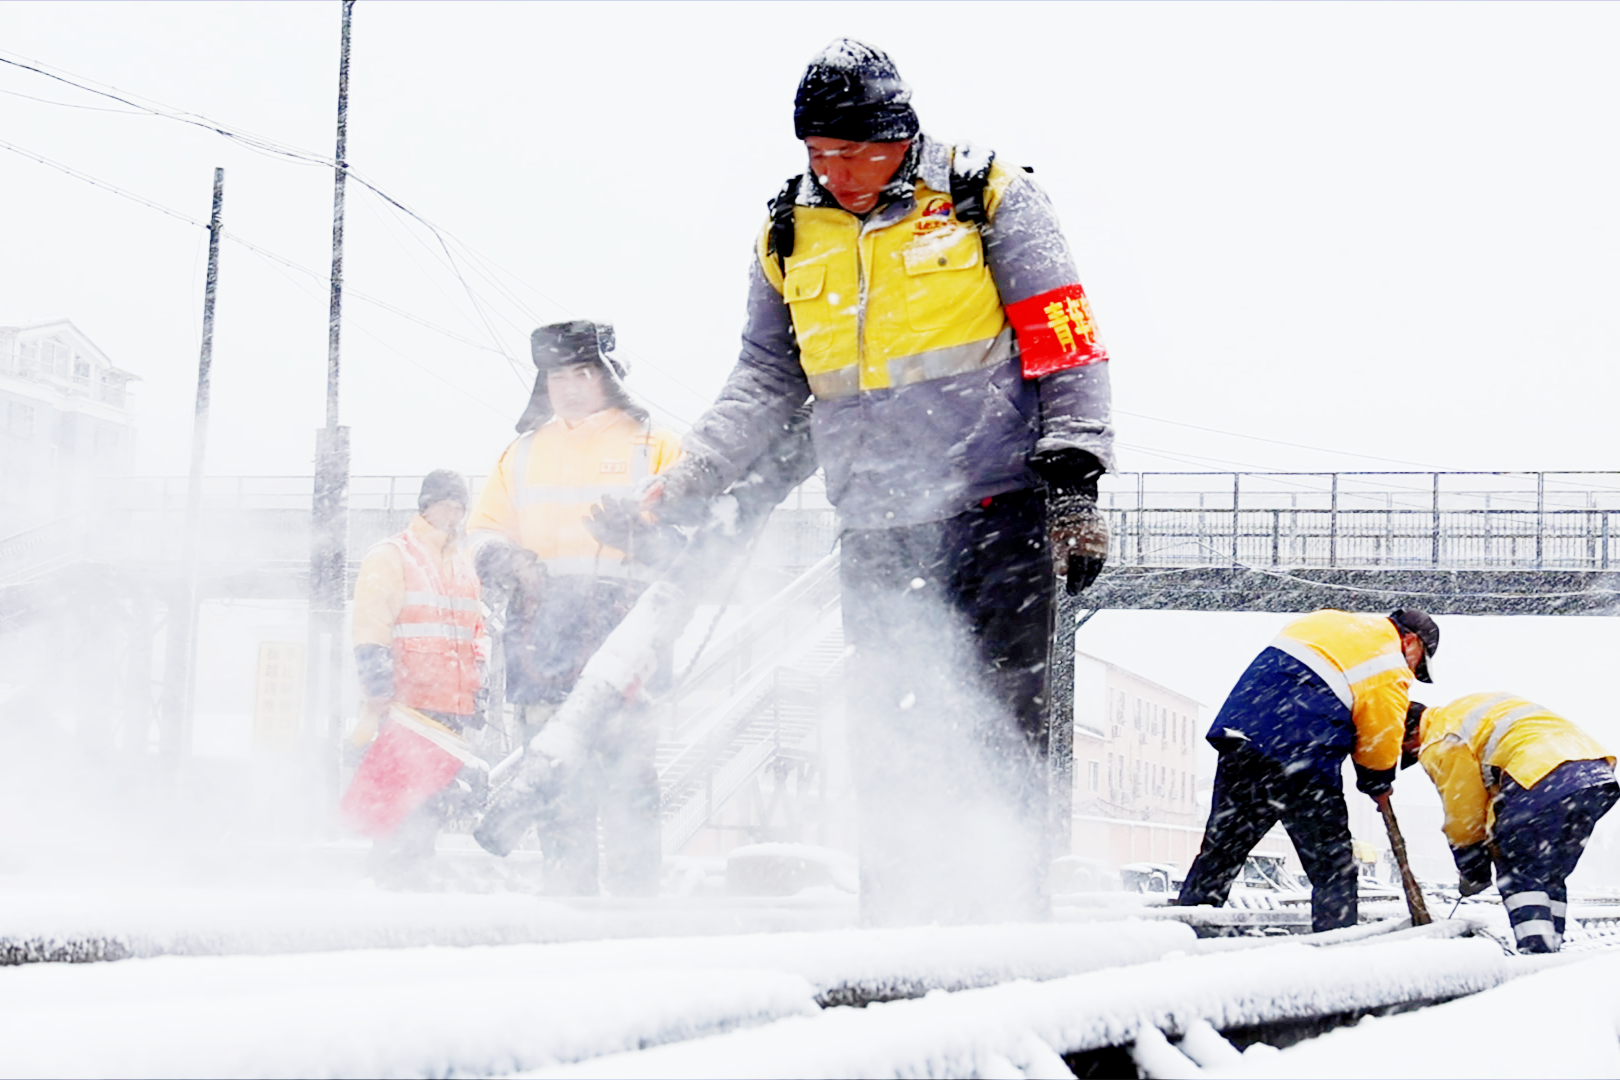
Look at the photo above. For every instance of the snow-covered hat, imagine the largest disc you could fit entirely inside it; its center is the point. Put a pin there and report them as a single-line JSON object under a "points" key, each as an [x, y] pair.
{"points": [[853, 91]]}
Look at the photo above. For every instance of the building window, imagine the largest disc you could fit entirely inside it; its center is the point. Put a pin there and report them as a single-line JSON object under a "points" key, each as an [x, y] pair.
{"points": [[28, 353], [1094, 774]]}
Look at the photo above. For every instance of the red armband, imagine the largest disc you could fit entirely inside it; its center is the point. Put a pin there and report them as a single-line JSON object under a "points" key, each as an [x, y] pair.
{"points": [[1055, 331]]}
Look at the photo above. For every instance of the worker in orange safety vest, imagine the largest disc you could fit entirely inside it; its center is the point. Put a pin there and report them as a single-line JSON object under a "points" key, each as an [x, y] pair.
{"points": [[419, 641]]}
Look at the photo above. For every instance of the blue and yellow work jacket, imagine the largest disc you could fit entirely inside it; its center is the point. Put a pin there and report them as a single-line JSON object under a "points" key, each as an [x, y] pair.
{"points": [[1469, 745], [940, 354], [1332, 683]]}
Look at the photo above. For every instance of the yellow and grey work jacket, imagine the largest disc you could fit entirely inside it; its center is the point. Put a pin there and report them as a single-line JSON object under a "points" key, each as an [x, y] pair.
{"points": [[1467, 746], [546, 482], [941, 354]]}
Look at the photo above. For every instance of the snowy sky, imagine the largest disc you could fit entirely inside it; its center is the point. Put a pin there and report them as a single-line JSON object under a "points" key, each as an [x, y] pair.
{"points": [[1353, 229], [1340, 235]]}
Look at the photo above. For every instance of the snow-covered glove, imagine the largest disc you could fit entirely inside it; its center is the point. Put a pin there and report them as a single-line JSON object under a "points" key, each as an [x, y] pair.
{"points": [[1076, 528], [1473, 868], [1374, 782], [680, 494], [619, 524], [376, 667]]}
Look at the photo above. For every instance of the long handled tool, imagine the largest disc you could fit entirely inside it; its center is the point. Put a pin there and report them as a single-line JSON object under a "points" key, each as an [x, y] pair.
{"points": [[1414, 895]]}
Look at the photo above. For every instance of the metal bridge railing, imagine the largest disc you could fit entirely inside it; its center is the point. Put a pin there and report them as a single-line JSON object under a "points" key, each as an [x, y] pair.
{"points": [[1496, 521]]}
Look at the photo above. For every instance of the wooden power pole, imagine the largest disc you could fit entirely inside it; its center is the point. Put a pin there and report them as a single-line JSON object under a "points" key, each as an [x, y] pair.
{"points": [[180, 641]]}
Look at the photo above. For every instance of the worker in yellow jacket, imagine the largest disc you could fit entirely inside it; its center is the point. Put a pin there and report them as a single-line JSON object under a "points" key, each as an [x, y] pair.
{"points": [[1333, 683], [1523, 788], [572, 575]]}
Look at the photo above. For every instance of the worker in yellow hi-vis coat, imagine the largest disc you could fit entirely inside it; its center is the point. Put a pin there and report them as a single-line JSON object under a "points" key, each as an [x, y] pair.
{"points": [[1523, 788], [572, 576]]}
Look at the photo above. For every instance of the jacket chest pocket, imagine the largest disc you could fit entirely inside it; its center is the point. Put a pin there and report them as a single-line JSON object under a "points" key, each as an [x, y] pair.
{"points": [[944, 271], [804, 289]]}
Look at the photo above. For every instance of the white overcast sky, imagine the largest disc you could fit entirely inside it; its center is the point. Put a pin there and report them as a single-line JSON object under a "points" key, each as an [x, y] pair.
{"points": [[1349, 235]]}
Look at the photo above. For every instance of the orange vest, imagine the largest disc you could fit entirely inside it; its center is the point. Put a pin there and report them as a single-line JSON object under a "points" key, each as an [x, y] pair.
{"points": [[435, 646]]}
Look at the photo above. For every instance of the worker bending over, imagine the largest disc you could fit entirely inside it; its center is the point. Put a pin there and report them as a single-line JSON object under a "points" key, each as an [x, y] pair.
{"points": [[1523, 788], [1331, 684]]}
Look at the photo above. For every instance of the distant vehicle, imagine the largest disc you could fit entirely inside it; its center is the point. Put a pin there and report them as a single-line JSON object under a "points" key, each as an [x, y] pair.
{"points": [[1161, 879]]}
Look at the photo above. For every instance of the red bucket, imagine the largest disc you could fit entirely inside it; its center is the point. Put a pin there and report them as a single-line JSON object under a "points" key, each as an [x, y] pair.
{"points": [[411, 760]]}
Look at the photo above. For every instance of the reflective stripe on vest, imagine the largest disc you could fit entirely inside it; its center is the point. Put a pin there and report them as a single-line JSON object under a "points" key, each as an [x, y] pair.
{"points": [[902, 298], [435, 634], [449, 631], [526, 494], [1320, 665], [1468, 730]]}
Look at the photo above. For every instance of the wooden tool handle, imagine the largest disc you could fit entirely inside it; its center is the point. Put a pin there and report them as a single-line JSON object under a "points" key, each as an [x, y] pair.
{"points": [[1414, 895]]}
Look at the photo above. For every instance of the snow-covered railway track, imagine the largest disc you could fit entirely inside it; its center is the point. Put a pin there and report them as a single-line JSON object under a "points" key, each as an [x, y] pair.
{"points": [[1048, 999]]}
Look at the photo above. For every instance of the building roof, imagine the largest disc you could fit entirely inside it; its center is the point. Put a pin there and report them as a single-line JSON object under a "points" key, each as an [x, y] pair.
{"points": [[44, 327]]}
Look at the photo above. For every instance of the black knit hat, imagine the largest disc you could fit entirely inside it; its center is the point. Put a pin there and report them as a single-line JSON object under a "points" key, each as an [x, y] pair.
{"points": [[578, 341], [1413, 621], [442, 484], [853, 91]]}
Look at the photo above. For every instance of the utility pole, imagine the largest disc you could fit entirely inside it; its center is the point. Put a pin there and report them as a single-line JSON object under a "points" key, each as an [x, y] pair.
{"points": [[180, 641], [328, 557]]}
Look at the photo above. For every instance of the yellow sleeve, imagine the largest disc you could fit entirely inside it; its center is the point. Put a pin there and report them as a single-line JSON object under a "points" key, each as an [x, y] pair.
{"points": [[1380, 718], [379, 594], [1455, 771], [666, 449], [767, 261], [495, 510]]}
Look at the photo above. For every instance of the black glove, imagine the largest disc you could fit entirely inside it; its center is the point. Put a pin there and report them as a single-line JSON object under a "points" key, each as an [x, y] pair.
{"points": [[376, 667], [688, 485], [617, 523], [1374, 782], [1473, 868], [1077, 529]]}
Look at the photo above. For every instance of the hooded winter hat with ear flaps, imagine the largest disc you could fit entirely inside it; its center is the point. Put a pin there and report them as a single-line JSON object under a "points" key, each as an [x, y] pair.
{"points": [[578, 341]]}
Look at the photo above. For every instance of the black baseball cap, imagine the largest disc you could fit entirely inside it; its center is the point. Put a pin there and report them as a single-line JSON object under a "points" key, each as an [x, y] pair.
{"points": [[1413, 621]]}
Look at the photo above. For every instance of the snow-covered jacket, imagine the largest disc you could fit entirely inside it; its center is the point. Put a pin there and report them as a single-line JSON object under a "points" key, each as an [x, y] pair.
{"points": [[546, 482], [1468, 744], [1331, 683], [941, 354], [418, 595]]}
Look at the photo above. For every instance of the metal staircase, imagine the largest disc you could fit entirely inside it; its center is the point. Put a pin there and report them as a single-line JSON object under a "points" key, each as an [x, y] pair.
{"points": [[780, 672]]}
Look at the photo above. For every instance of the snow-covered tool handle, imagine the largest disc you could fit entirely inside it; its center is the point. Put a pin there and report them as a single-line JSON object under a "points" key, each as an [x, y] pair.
{"points": [[1414, 895]]}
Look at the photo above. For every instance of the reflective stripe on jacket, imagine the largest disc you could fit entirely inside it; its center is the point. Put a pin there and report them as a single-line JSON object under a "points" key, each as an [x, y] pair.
{"points": [[908, 328], [418, 594], [1358, 658], [546, 482], [1464, 742]]}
